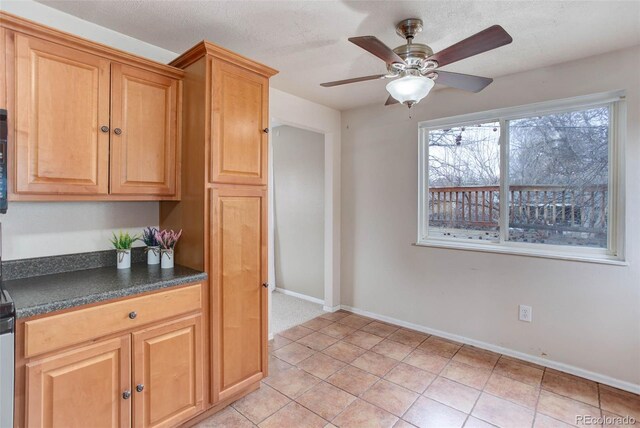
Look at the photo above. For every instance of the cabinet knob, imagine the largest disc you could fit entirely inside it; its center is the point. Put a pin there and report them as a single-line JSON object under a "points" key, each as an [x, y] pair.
{"points": [[265, 285], [139, 387], [117, 131], [126, 395], [265, 130], [104, 128], [133, 315]]}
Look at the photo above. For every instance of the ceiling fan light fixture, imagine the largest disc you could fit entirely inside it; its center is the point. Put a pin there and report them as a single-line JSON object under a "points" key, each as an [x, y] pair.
{"points": [[410, 89]]}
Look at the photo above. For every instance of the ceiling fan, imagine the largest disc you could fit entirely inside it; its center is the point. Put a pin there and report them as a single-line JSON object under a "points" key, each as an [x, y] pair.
{"points": [[418, 68]]}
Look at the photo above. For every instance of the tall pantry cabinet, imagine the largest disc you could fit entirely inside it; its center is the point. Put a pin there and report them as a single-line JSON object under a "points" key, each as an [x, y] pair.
{"points": [[223, 211]]}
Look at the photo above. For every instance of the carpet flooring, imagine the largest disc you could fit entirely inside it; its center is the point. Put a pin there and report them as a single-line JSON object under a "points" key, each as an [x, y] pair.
{"points": [[289, 311]]}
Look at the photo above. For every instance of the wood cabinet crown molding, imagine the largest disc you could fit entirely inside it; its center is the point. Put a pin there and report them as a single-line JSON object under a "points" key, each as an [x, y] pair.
{"points": [[25, 26], [207, 48]]}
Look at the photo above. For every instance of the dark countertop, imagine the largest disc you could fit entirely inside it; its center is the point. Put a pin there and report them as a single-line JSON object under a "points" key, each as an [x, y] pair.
{"points": [[47, 293]]}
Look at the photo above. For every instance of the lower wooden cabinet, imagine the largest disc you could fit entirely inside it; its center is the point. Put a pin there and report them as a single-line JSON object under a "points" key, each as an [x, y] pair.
{"points": [[81, 388], [167, 373], [156, 382], [143, 375]]}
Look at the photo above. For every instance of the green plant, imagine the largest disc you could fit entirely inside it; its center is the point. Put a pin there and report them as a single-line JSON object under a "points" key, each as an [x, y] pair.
{"points": [[124, 240]]}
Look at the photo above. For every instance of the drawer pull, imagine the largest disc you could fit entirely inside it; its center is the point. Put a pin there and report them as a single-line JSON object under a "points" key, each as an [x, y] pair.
{"points": [[104, 128], [133, 315], [117, 131], [126, 395], [139, 387]]}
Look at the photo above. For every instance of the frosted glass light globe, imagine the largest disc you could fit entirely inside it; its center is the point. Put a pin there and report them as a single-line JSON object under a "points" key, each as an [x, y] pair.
{"points": [[410, 89]]}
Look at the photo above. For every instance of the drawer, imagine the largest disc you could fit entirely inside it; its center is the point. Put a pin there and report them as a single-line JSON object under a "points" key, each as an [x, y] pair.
{"points": [[58, 331]]}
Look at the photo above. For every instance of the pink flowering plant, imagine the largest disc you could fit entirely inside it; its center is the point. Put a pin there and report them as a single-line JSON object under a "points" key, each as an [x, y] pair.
{"points": [[167, 239]]}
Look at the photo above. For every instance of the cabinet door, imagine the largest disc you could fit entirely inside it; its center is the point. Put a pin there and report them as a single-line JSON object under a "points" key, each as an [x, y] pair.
{"points": [[62, 102], [81, 388], [144, 134], [167, 373], [240, 103], [238, 269]]}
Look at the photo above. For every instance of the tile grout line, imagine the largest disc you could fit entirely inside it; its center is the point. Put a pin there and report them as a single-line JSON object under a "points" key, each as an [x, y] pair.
{"points": [[568, 377], [311, 410], [535, 409], [600, 401], [271, 414]]}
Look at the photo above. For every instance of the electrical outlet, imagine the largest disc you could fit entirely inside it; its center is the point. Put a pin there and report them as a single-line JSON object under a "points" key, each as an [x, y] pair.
{"points": [[525, 313]]}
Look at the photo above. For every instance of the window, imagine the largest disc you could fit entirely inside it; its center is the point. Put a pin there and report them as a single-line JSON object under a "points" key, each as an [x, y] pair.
{"points": [[540, 180], [464, 182]]}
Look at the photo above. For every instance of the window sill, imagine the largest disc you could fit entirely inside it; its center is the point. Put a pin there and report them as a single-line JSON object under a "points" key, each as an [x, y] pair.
{"points": [[487, 247]]}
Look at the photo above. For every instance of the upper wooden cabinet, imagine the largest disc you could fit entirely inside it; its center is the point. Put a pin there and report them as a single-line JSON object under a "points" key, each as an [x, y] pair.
{"points": [[62, 100], [239, 125], [144, 118], [87, 122]]}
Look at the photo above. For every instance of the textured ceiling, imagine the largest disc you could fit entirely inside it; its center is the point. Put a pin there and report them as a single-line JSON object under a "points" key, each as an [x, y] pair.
{"points": [[307, 40]]}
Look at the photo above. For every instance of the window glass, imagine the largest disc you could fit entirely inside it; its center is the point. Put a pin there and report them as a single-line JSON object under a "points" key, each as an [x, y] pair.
{"points": [[558, 178], [464, 179]]}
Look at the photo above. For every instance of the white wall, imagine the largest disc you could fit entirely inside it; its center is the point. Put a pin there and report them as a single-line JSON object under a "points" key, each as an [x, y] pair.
{"points": [[298, 197], [585, 315], [38, 229], [43, 229], [290, 110]]}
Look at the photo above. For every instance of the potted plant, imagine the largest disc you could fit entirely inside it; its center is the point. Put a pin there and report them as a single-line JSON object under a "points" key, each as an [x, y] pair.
{"points": [[153, 247], [167, 239], [122, 244]]}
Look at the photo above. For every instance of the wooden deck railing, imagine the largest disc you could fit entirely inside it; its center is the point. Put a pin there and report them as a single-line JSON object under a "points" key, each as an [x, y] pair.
{"points": [[540, 207]]}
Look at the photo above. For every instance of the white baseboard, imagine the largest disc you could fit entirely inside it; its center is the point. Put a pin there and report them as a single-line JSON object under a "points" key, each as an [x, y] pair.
{"points": [[331, 309], [597, 377], [300, 296]]}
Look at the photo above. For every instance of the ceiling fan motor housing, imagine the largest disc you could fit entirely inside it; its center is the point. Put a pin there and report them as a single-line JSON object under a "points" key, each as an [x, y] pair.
{"points": [[415, 56]]}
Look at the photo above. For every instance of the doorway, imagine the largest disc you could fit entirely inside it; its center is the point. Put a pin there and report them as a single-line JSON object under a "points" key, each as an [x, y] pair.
{"points": [[298, 213]]}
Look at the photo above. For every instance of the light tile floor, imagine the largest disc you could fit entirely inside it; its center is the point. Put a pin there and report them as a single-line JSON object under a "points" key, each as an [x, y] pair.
{"points": [[345, 370]]}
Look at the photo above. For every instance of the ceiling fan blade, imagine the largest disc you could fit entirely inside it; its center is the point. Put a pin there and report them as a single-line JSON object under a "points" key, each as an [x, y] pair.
{"points": [[375, 46], [491, 38], [466, 82], [391, 101], [354, 80]]}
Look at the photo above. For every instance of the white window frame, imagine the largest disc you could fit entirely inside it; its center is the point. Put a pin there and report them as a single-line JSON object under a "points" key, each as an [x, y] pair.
{"points": [[614, 254]]}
